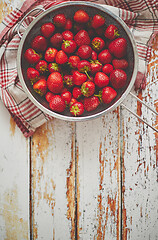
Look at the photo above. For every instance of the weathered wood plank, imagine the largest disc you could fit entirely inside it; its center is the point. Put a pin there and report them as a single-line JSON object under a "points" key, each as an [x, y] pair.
{"points": [[140, 162], [14, 180], [53, 181], [98, 178]]}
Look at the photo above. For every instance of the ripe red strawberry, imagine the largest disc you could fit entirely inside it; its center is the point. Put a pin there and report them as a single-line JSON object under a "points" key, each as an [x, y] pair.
{"points": [[47, 29], [31, 56], [84, 51], [50, 54], [111, 32], [66, 96], [108, 94], [79, 78], [118, 47], [32, 75], [120, 63], [39, 43], [81, 16], [77, 109], [82, 38], [118, 78], [57, 104], [40, 86], [107, 69], [56, 40], [91, 103], [54, 67], [88, 88], [48, 96], [55, 82], [42, 66], [94, 55], [67, 35], [73, 61], [76, 92], [98, 44], [61, 57], [101, 79], [96, 66], [68, 80], [68, 46], [84, 66], [59, 20], [105, 56], [97, 21], [72, 101], [68, 24]]}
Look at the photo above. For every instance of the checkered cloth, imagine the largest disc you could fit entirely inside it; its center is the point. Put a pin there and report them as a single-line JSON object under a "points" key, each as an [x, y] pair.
{"points": [[141, 17]]}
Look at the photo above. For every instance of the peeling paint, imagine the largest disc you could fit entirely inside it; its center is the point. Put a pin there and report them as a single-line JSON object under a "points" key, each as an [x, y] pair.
{"points": [[49, 196], [78, 195], [12, 126], [5, 8], [16, 227]]}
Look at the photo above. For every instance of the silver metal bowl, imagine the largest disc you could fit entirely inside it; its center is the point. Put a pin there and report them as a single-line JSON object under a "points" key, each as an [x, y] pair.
{"points": [[69, 8]]}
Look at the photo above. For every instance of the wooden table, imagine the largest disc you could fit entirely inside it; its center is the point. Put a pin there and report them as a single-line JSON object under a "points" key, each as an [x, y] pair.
{"points": [[86, 180]]}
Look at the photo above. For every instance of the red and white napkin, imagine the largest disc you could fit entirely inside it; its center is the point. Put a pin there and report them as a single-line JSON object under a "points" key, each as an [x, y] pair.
{"points": [[140, 16]]}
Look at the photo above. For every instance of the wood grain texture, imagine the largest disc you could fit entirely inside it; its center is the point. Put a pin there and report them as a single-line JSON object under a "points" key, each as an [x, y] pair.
{"points": [[139, 163], [14, 180], [53, 181], [98, 178]]}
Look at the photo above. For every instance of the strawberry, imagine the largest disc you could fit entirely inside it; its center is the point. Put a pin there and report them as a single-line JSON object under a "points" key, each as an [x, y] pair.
{"points": [[91, 103], [88, 88], [82, 38], [118, 78], [105, 56], [32, 74], [48, 96], [67, 35], [68, 46], [111, 32], [72, 101], [56, 40], [108, 94], [68, 24], [54, 67], [68, 80], [94, 55], [76, 92], [42, 66], [118, 47], [98, 44], [55, 82], [61, 57], [59, 20], [77, 109], [39, 43], [107, 69], [101, 79], [40, 86], [31, 56], [73, 61], [120, 63], [47, 29], [96, 66], [57, 104], [84, 51], [50, 54], [79, 78], [97, 21], [81, 16], [66, 96], [84, 66]]}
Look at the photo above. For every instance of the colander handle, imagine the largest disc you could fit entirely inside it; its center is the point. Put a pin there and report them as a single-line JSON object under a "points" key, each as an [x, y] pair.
{"points": [[21, 22], [136, 115]]}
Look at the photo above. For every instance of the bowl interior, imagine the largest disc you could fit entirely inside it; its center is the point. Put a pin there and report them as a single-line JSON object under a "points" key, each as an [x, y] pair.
{"points": [[69, 9]]}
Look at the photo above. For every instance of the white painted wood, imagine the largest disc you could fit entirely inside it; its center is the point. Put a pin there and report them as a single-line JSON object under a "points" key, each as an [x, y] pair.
{"points": [[140, 176], [14, 180], [53, 181], [99, 192]]}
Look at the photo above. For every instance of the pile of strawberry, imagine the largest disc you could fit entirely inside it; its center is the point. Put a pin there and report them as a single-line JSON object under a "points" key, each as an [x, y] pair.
{"points": [[77, 64]]}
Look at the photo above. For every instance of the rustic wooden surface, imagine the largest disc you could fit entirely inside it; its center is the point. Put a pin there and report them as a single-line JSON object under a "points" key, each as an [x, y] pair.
{"points": [[88, 180]]}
